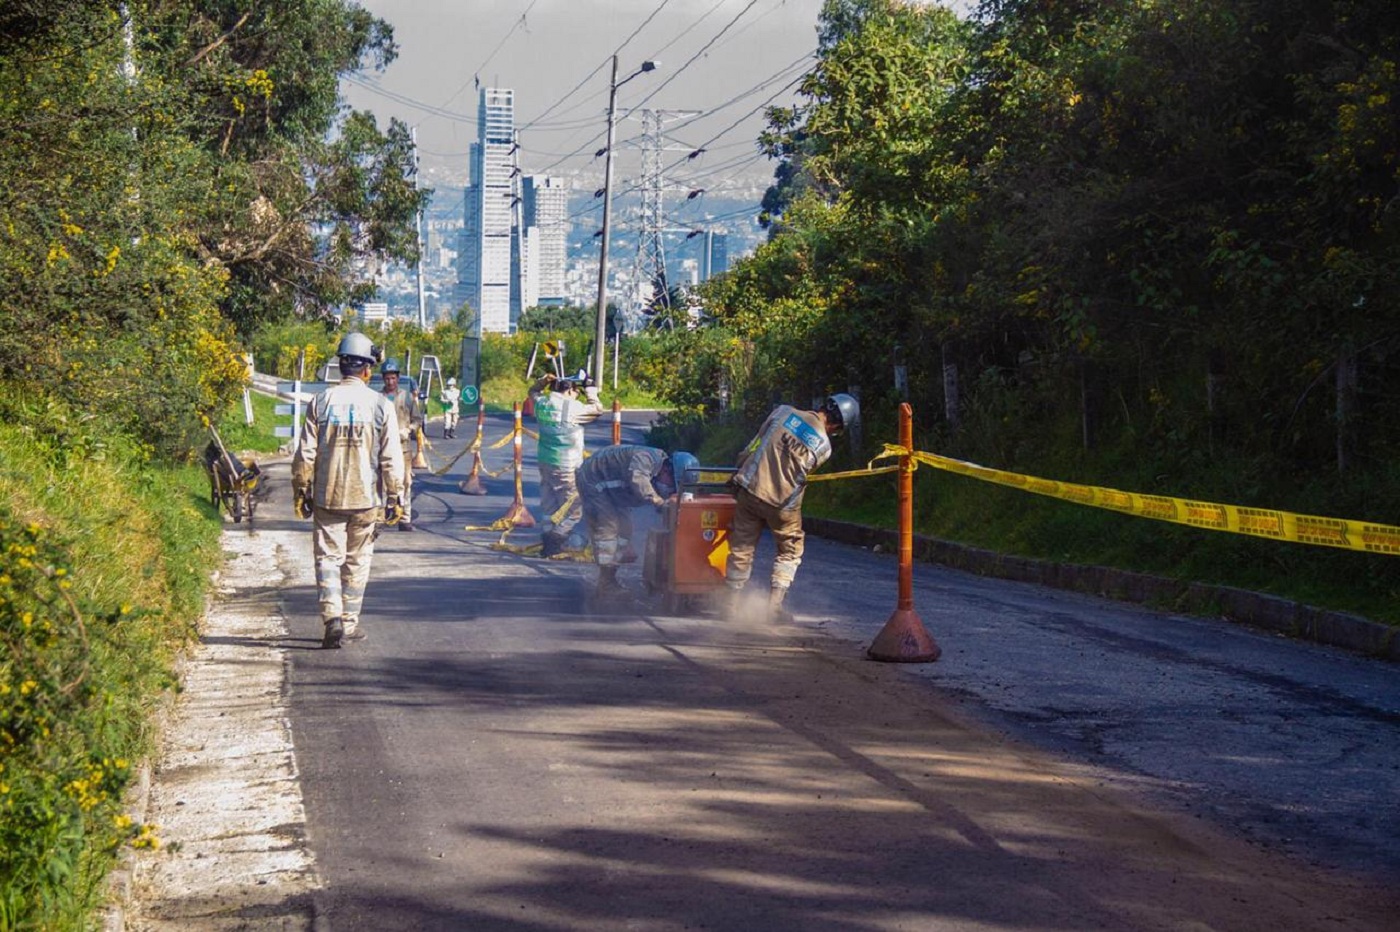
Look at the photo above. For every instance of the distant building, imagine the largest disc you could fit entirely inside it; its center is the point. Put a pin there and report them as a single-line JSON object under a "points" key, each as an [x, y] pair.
{"points": [[690, 272], [546, 202], [374, 313], [490, 247], [714, 255]]}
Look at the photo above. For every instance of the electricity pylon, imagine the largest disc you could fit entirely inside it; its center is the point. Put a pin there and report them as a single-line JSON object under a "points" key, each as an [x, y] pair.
{"points": [[651, 247]]}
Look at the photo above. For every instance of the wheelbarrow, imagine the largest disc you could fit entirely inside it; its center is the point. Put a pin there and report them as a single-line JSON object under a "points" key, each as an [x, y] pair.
{"points": [[684, 559], [233, 482]]}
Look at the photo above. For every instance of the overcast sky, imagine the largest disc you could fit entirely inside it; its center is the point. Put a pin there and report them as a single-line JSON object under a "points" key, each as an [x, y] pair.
{"points": [[725, 59]]}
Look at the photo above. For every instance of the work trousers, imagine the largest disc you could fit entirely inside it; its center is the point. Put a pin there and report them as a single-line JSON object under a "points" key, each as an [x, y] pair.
{"points": [[343, 544], [557, 486], [449, 421], [610, 524], [751, 516], [407, 498]]}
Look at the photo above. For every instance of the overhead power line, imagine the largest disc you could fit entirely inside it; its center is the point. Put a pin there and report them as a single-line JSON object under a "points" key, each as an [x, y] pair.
{"points": [[476, 75], [600, 67], [703, 49]]}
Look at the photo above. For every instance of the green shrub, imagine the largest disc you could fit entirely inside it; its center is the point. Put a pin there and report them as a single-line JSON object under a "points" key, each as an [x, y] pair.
{"points": [[103, 567]]}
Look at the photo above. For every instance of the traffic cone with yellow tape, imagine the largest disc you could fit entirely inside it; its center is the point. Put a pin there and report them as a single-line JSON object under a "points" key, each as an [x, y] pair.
{"points": [[517, 515], [472, 484], [420, 459], [904, 639]]}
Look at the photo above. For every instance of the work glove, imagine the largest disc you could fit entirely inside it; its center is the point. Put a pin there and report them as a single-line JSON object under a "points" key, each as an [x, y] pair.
{"points": [[591, 393], [302, 503], [393, 510]]}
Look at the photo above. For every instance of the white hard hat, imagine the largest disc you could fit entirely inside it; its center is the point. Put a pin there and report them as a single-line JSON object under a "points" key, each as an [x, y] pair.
{"points": [[452, 381]]}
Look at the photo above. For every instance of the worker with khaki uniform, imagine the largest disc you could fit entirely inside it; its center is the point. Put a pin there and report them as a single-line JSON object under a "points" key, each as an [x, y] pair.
{"points": [[410, 414], [347, 465], [562, 417], [769, 483], [611, 483], [451, 398]]}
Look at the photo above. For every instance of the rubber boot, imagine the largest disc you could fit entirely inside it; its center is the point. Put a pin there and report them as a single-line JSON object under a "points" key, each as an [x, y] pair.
{"points": [[776, 612], [607, 581], [335, 631], [551, 544], [727, 601]]}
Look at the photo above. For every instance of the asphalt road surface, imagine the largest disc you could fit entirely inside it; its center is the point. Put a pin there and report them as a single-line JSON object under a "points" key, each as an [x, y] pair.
{"points": [[494, 756]]}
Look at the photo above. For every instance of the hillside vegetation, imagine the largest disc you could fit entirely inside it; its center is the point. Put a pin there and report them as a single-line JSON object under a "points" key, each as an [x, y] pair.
{"points": [[173, 177], [1150, 246]]}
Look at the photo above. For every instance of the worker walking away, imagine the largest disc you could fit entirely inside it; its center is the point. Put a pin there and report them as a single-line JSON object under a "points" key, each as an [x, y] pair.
{"points": [[451, 398], [769, 482], [611, 483], [410, 415], [562, 417], [348, 464]]}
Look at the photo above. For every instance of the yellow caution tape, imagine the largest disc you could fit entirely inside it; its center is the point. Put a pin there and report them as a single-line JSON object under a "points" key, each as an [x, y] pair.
{"points": [[1271, 524], [442, 471], [853, 473], [1267, 523], [524, 550], [503, 441], [870, 468], [564, 508]]}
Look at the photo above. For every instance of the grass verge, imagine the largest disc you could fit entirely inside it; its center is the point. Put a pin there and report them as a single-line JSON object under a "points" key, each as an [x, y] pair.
{"points": [[103, 573]]}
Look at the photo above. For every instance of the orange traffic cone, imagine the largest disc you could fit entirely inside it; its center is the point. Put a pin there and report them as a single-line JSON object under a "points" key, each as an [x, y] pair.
{"points": [[517, 515], [472, 484], [904, 639]]}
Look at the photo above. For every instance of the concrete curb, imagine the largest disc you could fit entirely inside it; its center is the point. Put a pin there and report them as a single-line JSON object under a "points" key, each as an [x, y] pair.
{"points": [[1270, 613]]}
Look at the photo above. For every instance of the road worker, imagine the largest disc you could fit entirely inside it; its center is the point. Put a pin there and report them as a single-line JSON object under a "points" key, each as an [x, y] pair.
{"points": [[768, 485], [410, 414], [451, 398], [611, 483], [562, 417], [348, 464]]}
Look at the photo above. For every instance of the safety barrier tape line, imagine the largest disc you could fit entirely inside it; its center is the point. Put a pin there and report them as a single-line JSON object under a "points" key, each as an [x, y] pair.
{"points": [[853, 473], [442, 470], [564, 508], [1270, 524]]}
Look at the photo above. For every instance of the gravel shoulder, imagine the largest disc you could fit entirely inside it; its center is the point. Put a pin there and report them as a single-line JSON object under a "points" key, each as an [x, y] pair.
{"points": [[225, 791]]}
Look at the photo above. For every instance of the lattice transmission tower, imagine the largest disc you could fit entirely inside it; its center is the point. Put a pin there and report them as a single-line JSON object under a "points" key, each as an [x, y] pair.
{"points": [[651, 246]]}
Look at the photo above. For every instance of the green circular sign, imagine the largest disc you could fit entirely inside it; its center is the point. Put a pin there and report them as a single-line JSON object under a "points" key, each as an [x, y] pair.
{"points": [[469, 395]]}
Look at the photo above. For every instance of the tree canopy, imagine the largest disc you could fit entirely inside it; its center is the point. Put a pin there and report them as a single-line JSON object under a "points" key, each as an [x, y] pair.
{"points": [[174, 173], [1161, 226]]}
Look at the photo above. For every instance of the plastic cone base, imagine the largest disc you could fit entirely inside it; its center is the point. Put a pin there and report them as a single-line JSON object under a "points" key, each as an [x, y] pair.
{"points": [[472, 486], [904, 639], [518, 516]]}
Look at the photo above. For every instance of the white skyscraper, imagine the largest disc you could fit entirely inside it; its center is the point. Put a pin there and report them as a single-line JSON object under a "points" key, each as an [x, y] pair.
{"points": [[547, 216], [484, 278]]}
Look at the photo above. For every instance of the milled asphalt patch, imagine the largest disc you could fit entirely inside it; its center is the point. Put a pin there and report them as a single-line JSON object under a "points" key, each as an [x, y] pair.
{"points": [[1271, 613]]}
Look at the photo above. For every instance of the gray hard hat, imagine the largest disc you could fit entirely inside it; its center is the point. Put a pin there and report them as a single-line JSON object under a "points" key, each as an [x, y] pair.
{"points": [[357, 346], [844, 410], [390, 367]]}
